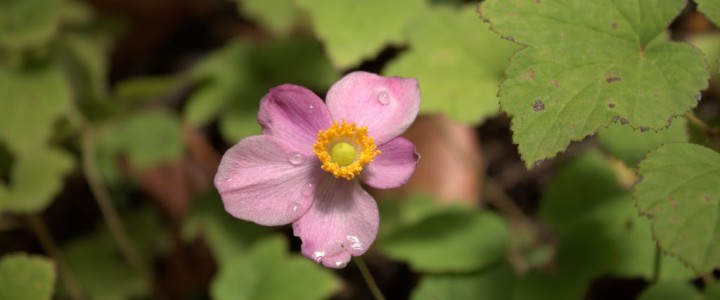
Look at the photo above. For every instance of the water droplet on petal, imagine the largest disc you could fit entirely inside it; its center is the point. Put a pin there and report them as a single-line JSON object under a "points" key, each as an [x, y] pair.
{"points": [[311, 107], [295, 206], [355, 242], [340, 263], [318, 255], [384, 98], [296, 158], [308, 190]]}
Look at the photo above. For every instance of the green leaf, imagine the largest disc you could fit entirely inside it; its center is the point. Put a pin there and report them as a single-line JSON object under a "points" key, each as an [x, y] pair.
{"points": [[680, 194], [454, 241], [495, 283], [588, 64], [631, 146], [711, 9], [226, 235], [458, 61], [25, 24], [32, 100], [670, 290], [709, 43], [99, 267], [550, 286], [143, 88], [277, 16], [35, 179], [712, 291], [25, 276], [269, 272], [149, 138], [598, 229], [354, 31]]}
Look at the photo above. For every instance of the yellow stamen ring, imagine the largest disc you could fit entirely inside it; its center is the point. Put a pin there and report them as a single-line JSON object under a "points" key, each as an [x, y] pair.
{"points": [[343, 149]]}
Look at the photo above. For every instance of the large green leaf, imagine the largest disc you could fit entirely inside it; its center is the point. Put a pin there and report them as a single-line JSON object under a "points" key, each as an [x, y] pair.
{"points": [[24, 276], [591, 63], [630, 145], [670, 290], [148, 138], [711, 8], [494, 283], [458, 61], [28, 23], [681, 196], [226, 235], [32, 100], [269, 272], [35, 178], [277, 16], [451, 241], [598, 229], [353, 31], [99, 267]]}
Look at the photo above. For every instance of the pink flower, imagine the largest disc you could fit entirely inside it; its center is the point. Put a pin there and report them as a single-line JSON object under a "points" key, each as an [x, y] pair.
{"points": [[307, 165]]}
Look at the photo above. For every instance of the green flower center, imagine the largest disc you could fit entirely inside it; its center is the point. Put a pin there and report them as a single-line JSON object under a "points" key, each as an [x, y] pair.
{"points": [[343, 153]]}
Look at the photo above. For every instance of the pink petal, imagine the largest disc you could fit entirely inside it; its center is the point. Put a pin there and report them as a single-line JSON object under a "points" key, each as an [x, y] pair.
{"points": [[264, 180], [342, 221], [386, 105], [394, 166], [294, 114]]}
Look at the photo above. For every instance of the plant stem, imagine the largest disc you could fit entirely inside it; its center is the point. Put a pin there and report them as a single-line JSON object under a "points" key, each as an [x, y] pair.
{"points": [[110, 214], [369, 280], [39, 228]]}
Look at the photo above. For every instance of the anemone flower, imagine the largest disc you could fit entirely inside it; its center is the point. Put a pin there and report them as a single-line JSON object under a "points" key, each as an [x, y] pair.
{"points": [[307, 165]]}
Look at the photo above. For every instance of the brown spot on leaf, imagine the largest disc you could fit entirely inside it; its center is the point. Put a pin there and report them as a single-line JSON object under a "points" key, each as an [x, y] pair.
{"points": [[707, 198], [672, 201], [614, 25], [615, 119], [623, 121], [643, 129], [538, 105], [555, 83], [532, 73], [611, 105], [613, 79]]}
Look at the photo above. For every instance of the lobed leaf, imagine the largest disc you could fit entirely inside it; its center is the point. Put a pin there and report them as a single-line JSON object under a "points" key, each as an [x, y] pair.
{"points": [[269, 272], [493, 283], [454, 241], [681, 196], [631, 145], [670, 290], [353, 31], [458, 62], [711, 9], [25, 276], [588, 64]]}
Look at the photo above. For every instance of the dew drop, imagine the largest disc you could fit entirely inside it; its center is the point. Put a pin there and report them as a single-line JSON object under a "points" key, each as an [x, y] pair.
{"points": [[311, 107], [296, 158], [354, 242], [384, 98], [318, 255], [308, 190], [295, 206], [698, 97], [340, 263], [538, 105]]}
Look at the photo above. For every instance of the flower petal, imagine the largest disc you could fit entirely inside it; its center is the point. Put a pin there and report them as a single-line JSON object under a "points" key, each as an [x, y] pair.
{"points": [[394, 165], [264, 180], [342, 221], [294, 114], [386, 105]]}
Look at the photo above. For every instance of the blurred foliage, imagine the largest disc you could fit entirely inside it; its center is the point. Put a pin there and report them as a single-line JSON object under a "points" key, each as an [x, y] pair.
{"points": [[26, 277], [562, 72]]}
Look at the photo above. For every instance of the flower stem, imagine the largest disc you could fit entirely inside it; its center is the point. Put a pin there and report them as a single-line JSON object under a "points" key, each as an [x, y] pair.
{"points": [[369, 280], [104, 201], [39, 228]]}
